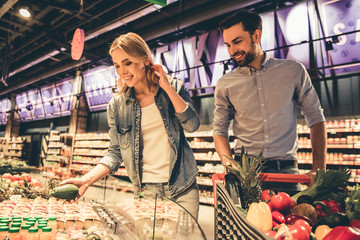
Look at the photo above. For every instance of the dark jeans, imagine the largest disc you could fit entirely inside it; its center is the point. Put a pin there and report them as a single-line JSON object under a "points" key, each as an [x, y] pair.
{"points": [[280, 166]]}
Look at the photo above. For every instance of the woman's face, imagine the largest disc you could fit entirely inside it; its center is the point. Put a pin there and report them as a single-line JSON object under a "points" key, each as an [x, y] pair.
{"points": [[130, 72]]}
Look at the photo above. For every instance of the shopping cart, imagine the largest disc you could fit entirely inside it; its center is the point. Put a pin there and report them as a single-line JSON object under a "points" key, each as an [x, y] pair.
{"points": [[229, 222]]}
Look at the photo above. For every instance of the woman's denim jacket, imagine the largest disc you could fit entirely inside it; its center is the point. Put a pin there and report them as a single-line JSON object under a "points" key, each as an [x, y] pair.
{"points": [[124, 116]]}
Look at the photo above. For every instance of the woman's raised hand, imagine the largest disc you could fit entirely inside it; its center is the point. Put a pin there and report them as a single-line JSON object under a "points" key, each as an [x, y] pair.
{"points": [[160, 73]]}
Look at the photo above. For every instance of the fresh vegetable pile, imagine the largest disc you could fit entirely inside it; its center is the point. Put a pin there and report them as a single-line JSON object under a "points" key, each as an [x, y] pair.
{"points": [[327, 210]]}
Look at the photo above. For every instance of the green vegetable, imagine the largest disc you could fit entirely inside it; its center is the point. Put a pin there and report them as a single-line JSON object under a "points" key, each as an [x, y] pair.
{"points": [[93, 236], [325, 182], [335, 219], [66, 191], [352, 203], [108, 238]]}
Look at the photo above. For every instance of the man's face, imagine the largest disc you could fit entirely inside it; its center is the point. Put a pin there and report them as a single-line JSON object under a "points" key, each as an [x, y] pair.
{"points": [[240, 44]]}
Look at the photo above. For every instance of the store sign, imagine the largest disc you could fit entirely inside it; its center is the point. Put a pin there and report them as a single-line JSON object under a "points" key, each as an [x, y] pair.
{"points": [[57, 98], [4, 107], [98, 85], [341, 17], [34, 104], [21, 103], [289, 33]]}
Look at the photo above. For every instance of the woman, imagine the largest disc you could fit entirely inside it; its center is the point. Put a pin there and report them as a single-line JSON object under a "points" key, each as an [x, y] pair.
{"points": [[146, 122]]}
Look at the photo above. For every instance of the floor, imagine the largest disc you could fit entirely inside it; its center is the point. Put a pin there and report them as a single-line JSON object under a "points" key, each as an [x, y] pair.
{"points": [[206, 221]]}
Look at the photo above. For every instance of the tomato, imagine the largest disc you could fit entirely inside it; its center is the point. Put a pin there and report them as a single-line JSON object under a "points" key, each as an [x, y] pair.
{"points": [[355, 223], [21, 182], [282, 202], [299, 232], [35, 182], [303, 223], [266, 195], [15, 178], [7, 176], [26, 176]]}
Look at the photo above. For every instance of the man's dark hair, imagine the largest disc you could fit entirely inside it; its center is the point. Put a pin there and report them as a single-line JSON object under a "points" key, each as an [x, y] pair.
{"points": [[250, 20]]}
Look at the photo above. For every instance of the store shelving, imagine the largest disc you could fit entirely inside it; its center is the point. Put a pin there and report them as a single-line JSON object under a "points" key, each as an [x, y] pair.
{"points": [[88, 149], [17, 148], [343, 146], [343, 151], [53, 150]]}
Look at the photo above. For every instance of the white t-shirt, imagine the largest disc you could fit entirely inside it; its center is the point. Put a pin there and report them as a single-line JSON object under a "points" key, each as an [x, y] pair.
{"points": [[155, 146]]}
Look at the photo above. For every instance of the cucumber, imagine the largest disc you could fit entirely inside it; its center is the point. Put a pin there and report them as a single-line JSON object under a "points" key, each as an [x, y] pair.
{"points": [[92, 236], [66, 191]]}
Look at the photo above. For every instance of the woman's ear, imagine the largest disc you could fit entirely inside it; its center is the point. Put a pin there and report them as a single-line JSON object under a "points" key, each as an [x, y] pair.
{"points": [[147, 63]]}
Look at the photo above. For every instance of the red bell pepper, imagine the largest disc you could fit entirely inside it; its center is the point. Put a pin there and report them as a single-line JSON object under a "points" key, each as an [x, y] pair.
{"points": [[343, 233], [291, 218], [324, 207], [277, 218]]}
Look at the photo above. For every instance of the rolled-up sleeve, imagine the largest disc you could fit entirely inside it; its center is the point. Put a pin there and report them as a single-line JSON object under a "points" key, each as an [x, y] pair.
{"points": [[223, 112], [308, 100], [188, 118], [113, 158]]}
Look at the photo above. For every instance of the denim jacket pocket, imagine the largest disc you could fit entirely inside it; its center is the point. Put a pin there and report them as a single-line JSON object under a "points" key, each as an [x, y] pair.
{"points": [[124, 136]]}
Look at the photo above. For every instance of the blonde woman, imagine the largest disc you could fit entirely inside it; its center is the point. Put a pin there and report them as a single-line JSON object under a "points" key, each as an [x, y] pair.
{"points": [[147, 121]]}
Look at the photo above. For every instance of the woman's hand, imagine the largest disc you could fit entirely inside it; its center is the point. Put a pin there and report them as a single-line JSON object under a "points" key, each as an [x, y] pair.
{"points": [[80, 183], [160, 73]]}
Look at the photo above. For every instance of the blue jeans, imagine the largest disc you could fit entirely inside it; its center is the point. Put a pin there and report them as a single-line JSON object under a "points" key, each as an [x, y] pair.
{"points": [[189, 199]]}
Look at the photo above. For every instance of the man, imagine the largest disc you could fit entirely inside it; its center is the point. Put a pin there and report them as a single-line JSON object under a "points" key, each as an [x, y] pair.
{"points": [[261, 96]]}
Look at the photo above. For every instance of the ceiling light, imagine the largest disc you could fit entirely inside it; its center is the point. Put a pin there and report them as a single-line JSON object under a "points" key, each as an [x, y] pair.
{"points": [[24, 11]]}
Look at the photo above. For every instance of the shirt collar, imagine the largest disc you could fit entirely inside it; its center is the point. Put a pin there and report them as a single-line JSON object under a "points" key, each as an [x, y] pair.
{"points": [[264, 65], [130, 93]]}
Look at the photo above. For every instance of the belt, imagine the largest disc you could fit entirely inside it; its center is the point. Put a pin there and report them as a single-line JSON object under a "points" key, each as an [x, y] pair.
{"points": [[279, 164]]}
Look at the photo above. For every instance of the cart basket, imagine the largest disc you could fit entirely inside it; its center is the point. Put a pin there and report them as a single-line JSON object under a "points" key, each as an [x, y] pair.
{"points": [[230, 223]]}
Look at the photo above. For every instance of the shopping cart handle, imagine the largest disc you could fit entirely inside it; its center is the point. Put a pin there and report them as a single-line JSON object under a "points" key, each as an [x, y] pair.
{"points": [[284, 178], [270, 177]]}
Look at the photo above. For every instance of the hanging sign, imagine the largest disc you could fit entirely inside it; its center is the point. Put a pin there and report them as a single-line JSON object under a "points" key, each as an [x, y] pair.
{"points": [[77, 46], [160, 2]]}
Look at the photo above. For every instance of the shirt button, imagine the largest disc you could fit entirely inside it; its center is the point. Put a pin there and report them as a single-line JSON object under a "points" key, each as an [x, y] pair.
{"points": [[257, 73], [265, 120], [262, 104], [259, 88], [266, 136], [265, 149]]}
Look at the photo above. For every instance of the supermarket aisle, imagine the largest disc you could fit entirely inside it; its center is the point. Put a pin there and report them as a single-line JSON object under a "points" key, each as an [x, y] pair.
{"points": [[206, 221]]}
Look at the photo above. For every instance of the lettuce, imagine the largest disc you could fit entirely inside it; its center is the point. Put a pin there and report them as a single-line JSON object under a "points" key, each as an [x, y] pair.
{"points": [[353, 203], [325, 181]]}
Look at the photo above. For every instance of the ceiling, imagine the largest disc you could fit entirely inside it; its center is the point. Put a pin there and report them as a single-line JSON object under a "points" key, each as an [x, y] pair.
{"points": [[37, 50]]}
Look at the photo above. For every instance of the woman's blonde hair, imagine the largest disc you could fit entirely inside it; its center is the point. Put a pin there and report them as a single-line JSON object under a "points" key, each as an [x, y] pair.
{"points": [[137, 49]]}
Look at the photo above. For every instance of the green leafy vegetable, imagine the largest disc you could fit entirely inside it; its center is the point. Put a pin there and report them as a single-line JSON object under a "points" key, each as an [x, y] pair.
{"points": [[353, 203], [325, 182]]}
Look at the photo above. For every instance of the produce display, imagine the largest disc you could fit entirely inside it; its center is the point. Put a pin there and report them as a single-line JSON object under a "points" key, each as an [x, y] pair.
{"points": [[329, 209], [27, 207]]}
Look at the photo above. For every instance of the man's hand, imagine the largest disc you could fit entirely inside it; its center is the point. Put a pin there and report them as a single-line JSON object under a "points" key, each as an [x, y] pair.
{"points": [[311, 174]]}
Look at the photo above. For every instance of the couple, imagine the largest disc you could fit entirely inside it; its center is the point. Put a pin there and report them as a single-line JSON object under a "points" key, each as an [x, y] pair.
{"points": [[148, 117]]}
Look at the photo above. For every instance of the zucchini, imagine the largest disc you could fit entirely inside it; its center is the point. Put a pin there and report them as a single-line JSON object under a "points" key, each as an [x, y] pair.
{"points": [[66, 191], [92, 236]]}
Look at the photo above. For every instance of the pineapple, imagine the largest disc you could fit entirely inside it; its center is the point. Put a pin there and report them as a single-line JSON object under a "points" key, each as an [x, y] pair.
{"points": [[247, 171]]}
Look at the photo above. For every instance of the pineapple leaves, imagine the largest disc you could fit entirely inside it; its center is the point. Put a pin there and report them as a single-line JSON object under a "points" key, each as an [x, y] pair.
{"points": [[247, 169]]}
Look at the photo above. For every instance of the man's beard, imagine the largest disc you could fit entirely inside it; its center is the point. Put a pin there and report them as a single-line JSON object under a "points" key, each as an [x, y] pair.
{"points": [[249, 56]]}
